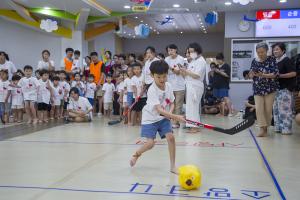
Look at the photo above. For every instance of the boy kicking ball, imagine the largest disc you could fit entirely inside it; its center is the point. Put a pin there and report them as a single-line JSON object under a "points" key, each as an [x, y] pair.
{"points": [[157, 113]]}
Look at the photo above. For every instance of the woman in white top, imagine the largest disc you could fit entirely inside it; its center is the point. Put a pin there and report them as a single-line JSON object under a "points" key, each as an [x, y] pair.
{"points": [[194, 76], [5, 64], [46, 63]]}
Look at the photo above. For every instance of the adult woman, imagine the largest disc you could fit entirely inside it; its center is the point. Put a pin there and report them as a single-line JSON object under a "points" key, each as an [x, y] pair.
{"points": [[194, 76], [131, 59], [86, 66], [5, 64], [46, 63], [264, 71], [282, 109]]}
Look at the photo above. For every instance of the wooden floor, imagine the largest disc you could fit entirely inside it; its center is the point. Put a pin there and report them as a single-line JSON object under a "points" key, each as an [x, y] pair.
{"points": [[91, 161]]}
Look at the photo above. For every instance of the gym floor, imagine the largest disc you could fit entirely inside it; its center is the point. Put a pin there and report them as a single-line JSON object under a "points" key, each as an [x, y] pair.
{"points": [[91, 161]]}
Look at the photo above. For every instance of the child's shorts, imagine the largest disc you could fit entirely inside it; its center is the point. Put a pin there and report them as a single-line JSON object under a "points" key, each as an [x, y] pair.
{"points": [[129, 98], [108, 106], [99, 92], [163, 127], [4, 107], [43, 107], [17, 107], [138, 107], [91, 100]]}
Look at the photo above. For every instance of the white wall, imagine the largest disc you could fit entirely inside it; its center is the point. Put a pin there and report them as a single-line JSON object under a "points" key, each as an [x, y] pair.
{"points": [[213, 42], [25, 45], [232, 20], [105, 41]]}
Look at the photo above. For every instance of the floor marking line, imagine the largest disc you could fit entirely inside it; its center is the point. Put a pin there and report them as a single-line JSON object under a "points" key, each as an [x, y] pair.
{"points": [[121, 144], [110, 192], [268, 167]]}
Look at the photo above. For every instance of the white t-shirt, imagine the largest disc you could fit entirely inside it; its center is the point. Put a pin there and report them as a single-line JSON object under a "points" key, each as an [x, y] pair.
{"points": [[90, 90], [17, 96], [82, 104], [156, 96], [4, 87], [29, 88], [57, 95], [108, 89], [64, 86], [44, 92], [147, 73], [138, 83], [198, 67], [177, 81], [44, 65], [76, 67], [8, 65], [80, 86], [128, 84], [120, 88]]}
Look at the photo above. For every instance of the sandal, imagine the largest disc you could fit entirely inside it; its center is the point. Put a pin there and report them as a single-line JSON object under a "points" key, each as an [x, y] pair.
{"points": [[134, 159]]}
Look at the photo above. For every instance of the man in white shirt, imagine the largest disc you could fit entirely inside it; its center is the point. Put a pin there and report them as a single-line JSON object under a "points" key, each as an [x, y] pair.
{"points": [[176, 79], [80, 109], [5, 64], [150, 54]]}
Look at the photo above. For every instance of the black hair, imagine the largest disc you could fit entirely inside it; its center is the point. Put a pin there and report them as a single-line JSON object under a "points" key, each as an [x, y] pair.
{"points": [[20, 71], [220, 56], [161, 55], [108, 75], [136, 64], [44, 71], [63, 72], [212, 63], [56, 78], [245, 73], [69, 49], [77, 73], [94, 53], [196, 47], [68, 78], [159, 67], [132, 55], [89, 57], [91, 76], [152, 49], [122, 56], [75, 90], [4, 54], [77, 52], [16, 77], [28, 67], [109, 53], [46, 51], [116, 55], [281, 45], [172, 46], [5, 71]]}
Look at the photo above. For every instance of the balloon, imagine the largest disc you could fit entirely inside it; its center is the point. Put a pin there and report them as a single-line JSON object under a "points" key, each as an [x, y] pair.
{"points": [[189, 177]]}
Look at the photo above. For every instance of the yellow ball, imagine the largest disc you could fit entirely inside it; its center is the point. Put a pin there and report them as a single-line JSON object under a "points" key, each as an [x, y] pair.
{"points": [[297, 119], [189, 177]]}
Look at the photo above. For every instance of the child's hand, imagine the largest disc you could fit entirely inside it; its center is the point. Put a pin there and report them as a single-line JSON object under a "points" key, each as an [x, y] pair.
{"points": [[52, 100], [179, 118]]}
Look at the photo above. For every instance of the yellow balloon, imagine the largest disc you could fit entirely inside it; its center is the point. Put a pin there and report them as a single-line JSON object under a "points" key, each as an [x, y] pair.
{"points": [[189, 177]]}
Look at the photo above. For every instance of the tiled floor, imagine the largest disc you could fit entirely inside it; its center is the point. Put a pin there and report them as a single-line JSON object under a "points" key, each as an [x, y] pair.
{"points": [[91, 161]]}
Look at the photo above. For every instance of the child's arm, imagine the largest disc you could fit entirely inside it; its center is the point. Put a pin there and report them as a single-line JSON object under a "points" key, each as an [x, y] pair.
{"points": [[169, 115], [134, 88], [247, 104], [7, 96]]}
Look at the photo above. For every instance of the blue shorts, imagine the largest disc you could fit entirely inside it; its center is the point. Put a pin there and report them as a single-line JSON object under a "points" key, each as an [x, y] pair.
{"points": [[162, 127], [220, 93], [91, 100], [129, 98]]}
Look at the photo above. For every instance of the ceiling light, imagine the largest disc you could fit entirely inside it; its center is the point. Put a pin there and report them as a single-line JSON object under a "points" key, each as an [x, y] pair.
{"points": [[282, 1], [124, 32], [142, 21], [134, 36], [227, 3], [151, 27], [127, 7], [176, 27], [181, 32], [146, 24], [47, 8], [157, 33], [198, 15], [136, 17], [176, 5], [129, 34], [201, 23]]}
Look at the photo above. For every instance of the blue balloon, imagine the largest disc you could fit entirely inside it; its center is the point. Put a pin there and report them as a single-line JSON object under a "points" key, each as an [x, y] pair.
{"points": [[145, 31]]}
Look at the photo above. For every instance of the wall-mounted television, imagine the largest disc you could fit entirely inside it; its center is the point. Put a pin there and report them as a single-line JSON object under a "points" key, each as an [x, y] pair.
{"points": [[278, 23]]}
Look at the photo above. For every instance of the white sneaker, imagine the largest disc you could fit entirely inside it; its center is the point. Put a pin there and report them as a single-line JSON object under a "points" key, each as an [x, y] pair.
{"points": [[99, 114]]}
